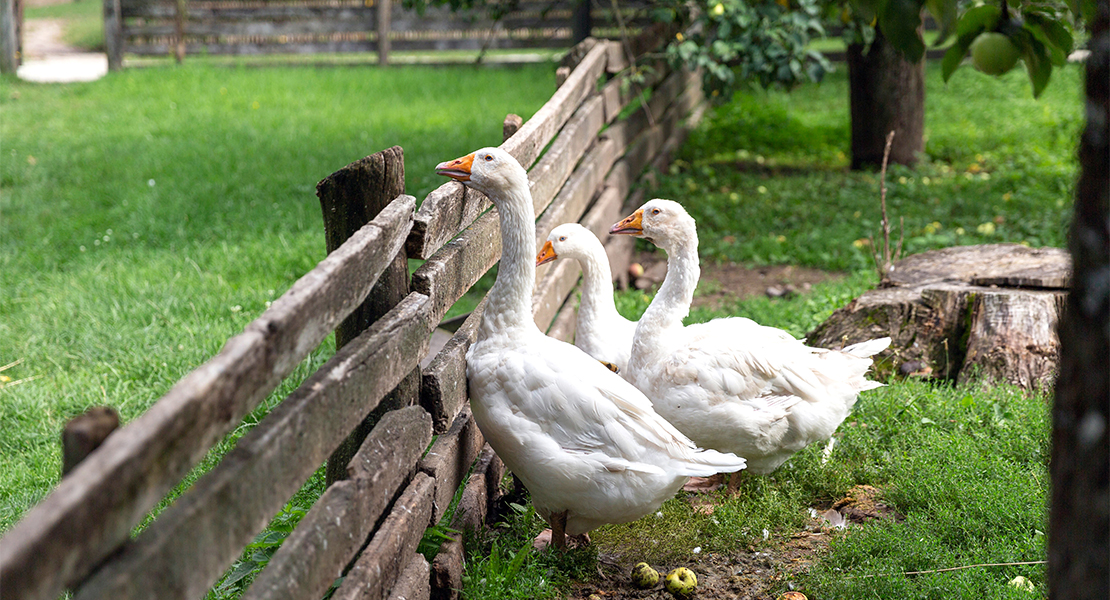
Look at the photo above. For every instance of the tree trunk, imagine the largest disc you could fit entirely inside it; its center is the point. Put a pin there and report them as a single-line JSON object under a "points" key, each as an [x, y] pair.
{"points": [[887, 93], [1079, 518]]}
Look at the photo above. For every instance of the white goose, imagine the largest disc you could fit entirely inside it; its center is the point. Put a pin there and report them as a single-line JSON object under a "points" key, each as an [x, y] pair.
{"points": [[732, 384], [601, 331], [586, 443]]}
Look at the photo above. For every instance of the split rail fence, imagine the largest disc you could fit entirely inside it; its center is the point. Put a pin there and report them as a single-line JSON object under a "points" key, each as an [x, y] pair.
{"points": [[585, 154], [181, 27]]}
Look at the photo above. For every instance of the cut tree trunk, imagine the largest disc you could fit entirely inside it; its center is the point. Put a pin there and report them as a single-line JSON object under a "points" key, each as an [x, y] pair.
{"points": [[886, 93], [960, 313]]}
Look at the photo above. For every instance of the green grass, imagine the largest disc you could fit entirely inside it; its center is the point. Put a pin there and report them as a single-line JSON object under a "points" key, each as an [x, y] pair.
{"points": [[147, 217], [766, 175], [82, 22]]}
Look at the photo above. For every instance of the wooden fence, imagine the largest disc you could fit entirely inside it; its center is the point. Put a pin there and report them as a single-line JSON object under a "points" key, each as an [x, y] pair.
{"points": [[367, 525], [180, 27]]}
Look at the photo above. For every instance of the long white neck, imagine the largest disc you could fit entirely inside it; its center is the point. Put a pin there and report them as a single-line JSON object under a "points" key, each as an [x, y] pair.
{"points": [[670, 305], [597, 287], [510, 301]]}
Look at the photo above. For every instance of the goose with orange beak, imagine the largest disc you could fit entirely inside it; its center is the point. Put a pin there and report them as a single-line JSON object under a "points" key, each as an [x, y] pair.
{"points": [[601, 331], [732, 384], [586, 444]]}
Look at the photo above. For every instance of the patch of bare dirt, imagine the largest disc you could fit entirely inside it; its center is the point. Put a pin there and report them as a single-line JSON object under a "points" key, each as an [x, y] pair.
{"points": [[762, 574], [754, 575], [728, 282]]}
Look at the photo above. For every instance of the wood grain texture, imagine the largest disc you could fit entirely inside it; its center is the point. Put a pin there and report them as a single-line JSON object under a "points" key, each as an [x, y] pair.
{"points": [[194, 541], [91, 512], [1012, 337], [350, 198], [379, 565], [414, 582], [330, 535], [449, 208], [450, 457], [85, 433], [443, 387], [565, 323]]}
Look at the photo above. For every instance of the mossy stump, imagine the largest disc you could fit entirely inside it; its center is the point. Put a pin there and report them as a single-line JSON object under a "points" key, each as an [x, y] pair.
{"points": [[985, 311]]}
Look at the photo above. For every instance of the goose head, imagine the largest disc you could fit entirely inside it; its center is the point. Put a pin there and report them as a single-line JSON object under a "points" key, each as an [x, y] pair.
{"points": [[569, 240], [491, 171], [662, 222]]}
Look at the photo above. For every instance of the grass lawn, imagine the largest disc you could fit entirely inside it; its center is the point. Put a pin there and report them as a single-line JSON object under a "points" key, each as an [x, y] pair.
{"points": [[147, 217]]}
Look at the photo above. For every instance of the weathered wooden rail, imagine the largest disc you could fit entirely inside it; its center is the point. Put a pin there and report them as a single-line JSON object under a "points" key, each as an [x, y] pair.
{"points": [[371, 397], [181, 27]]}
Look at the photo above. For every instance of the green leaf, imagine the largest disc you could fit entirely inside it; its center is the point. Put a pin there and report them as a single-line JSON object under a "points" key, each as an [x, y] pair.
{"points": [[978, 19], [1036, 60], [899, 23], [953, 58], [1053, 32], [518, 559], [868, 9], [1054, 54], [944, 13]]}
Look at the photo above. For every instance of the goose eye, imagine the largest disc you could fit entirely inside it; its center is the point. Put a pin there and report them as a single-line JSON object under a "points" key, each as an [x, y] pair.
{"points": [[489, 157], [656, 211], [562, 238]]}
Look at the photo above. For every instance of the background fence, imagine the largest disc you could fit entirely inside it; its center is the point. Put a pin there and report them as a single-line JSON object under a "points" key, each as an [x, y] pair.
{"points": [[372, 408], [182, 27]]}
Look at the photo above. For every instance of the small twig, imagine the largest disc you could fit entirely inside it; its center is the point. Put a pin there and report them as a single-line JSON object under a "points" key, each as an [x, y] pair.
{"points": [[11, 364], [1009, 564], [4, 386], [882, 200]]}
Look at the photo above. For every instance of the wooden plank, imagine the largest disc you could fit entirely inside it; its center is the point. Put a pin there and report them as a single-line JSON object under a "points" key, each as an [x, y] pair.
{"points": [[447, 208], [552, 291], [91, 512], [194, 541], [449, 459], [449, 273], [9, 36], [380, 563], [562, 328], [580, 188], [443, 386], [545, 178], [414, 582], [85, 433], [113, 35], [330, 535], [384, 16], [350, 198], [480, 491], [275, 13]]}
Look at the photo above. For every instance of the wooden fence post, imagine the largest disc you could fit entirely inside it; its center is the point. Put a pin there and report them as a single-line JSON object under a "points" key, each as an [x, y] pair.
{"points": [[350, 198], [385, 14], [581, 20], [179, 31], [11, 35], [113, 34], [85, 433]]}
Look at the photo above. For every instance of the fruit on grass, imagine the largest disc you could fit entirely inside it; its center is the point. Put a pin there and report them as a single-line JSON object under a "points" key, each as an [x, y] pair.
{"points": [[993, 53], [643, 576], [681, 582]]}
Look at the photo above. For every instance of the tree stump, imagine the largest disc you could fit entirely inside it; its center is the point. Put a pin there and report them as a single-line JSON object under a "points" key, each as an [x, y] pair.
{"points": [[964, 312]]}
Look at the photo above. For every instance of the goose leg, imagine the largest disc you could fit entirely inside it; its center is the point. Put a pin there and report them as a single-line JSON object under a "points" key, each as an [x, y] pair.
{"points": [[559, 530], [734, 480]]}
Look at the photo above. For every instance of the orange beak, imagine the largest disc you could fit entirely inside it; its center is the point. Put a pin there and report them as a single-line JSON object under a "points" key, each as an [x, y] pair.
{"points": [[458, 169], [632, 224], [547, 254]]}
